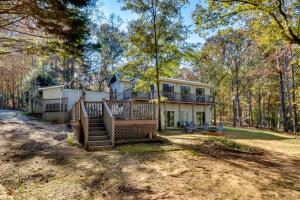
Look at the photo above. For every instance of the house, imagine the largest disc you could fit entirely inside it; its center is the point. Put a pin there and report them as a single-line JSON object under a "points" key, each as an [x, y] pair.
{"points": [[184, 100], [101, 120], [57, 101]]}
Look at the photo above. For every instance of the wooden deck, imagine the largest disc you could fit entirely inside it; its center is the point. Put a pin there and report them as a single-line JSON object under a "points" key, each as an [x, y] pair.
{"points": [[96, 123]]}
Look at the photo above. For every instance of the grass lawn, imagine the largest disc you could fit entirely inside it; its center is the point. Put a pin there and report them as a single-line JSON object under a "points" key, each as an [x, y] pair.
{"points": [[38, 161], [269, 140]]}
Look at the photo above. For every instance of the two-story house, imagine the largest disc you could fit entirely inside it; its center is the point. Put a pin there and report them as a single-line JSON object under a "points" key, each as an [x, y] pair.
{"points": [[183, 100]]}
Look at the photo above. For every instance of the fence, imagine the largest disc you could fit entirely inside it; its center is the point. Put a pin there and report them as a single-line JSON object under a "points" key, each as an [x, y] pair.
{"points": [[171, 96], [129, 110], [93, 109]]}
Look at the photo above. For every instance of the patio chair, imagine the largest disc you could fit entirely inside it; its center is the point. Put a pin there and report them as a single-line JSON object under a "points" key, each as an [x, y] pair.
{"points": [[190, 128], [181, 124], [220, 128], [206, 126]]}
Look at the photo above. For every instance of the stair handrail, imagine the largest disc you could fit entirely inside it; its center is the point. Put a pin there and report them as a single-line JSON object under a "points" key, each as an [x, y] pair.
{"points": [[84, 119], [109, 121]]}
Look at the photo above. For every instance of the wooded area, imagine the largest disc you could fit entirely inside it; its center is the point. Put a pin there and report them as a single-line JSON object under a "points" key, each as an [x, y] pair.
{"points": [[250, 52]]}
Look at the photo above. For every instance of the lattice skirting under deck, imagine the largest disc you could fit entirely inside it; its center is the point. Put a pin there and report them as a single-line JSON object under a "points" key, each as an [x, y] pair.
{"points": [[134, 129]]}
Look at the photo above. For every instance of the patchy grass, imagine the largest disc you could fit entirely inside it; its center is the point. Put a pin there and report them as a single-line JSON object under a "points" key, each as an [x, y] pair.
{"points": [[36, 162], [242, 133], [232, 145], [268, 140], [144, 148]]}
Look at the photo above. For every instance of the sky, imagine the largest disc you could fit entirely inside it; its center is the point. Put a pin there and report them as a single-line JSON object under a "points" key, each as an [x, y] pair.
{"points": [[113, 6]]}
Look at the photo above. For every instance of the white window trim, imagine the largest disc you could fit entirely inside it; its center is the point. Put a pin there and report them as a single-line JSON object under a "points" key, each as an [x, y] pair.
{"points": [[174, 119], [162, 87]]}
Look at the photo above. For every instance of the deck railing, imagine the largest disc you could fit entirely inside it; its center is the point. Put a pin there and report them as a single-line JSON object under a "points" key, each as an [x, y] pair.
{"points": [[132, 110], [76, 111], [171, 96], [93, 109], [109, 121], [84, 118]]}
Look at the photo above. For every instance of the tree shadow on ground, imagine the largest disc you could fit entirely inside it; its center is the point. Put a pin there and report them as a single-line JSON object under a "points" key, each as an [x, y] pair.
{"points": [[100, 172], [287, 168], [252, 134]]}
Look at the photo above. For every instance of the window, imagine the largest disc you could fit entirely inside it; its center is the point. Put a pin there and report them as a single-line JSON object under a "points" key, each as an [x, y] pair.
{"points": [[183, 116], [200, 91], [170, 119], [168, 91], [185, 93], [200, 94], [200, 118]]}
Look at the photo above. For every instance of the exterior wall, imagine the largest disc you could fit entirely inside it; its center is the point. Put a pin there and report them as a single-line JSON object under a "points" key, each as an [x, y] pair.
{"points": [[183, 107], [59, 117], [193, 87], [119, 87], [52, 93], [72, 95], [96, 96]]}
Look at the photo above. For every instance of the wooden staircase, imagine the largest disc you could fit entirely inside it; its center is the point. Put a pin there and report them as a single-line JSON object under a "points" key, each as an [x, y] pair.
{"points": [[98, 137], [94, 124]]}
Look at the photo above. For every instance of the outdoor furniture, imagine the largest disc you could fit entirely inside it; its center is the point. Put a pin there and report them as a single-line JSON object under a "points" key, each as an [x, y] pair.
{"points": [[220, 128], [206, 126], [181, 124], [191, 127]]}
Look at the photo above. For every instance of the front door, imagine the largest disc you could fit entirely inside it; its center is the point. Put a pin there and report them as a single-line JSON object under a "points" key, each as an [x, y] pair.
{"points": [[200, 118], [170, 119]]}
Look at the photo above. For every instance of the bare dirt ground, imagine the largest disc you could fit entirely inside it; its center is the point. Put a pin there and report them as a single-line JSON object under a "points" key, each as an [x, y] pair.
{"points": [[37, 163]]}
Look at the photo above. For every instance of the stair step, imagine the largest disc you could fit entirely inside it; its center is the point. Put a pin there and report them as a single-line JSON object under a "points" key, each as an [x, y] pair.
{"points": [[99, 143], [98, 138], [96, 129], [98, 133], [95, 120], [96, 124], [98, 148]]}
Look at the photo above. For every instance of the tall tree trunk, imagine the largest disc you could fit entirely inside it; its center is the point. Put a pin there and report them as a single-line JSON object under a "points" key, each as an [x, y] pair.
{"points": [[250, 106], [269, 108], [282, 101], [258, 121], [237, 100], [288, 94], [279, 114], [156, 64], [215, 111], [233, 107], [294, 95]]}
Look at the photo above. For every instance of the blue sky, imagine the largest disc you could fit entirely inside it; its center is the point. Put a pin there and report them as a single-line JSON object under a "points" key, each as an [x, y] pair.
{"points": [[113, 6]]}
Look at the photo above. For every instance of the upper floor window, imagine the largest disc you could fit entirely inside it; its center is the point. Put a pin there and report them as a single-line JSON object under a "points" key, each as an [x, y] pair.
{"points": [[200, 91], [168, 91], [185, 90], [168, 88]]}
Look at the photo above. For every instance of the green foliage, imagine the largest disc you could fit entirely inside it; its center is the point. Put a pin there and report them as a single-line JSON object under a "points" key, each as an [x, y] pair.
{"points": [[278, 19], [110, 46], [47, 25], [70, 140], [156, 40]]}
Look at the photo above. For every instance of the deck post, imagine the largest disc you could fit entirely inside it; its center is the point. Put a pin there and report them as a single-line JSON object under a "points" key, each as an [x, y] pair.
{"points": [[131, 109], [193, 113], [179, 112], [165, 115]]}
